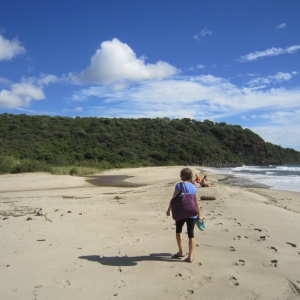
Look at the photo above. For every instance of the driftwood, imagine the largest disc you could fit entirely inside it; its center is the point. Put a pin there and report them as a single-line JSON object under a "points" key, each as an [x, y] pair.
{"points": [[208, 198], [47, 219]]}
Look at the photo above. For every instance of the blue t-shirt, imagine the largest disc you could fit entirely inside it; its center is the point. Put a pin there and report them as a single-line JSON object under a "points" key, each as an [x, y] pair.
{"points": [[189, 186], [191, 189]]}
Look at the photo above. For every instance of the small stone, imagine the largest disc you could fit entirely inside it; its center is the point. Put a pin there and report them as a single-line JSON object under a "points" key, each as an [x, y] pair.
{"points": [[5, 218], [40, 212], [29, 219], [69, 211]]}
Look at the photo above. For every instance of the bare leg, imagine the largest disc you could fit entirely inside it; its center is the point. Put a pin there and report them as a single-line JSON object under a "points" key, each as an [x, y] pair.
{"points": [[191, 248], [179, 243]]}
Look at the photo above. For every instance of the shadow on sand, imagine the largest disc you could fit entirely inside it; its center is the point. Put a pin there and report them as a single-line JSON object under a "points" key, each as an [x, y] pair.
{"points": [[129, 260]]}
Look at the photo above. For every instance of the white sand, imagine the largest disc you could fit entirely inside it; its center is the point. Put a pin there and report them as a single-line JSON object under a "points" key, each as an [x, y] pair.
{"points": [[116, 243]]}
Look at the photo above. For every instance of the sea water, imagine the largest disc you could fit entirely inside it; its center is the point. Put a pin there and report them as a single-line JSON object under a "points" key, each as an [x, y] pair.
{"points": [[275, 177]]}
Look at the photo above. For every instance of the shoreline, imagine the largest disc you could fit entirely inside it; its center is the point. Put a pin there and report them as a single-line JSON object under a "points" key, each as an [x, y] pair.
{"points": [[242, 182], [102, 240]]}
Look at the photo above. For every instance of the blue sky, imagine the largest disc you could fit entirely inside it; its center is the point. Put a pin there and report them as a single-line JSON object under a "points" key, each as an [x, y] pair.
{"points": [[228, 61]]}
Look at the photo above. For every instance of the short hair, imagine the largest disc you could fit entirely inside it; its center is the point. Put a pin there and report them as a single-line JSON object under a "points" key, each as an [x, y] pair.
{"points": [[186, 174]]}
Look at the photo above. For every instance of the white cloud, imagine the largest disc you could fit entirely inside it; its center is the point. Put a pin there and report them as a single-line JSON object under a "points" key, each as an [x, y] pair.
{"points": [[208, 96], [283, 135], [269, 52], [273, 79], [76, 109], [196, 68], [204, 97], [282, 117], [22, 93], [9, 49], [115, 61], [201, 34], [4, 81], [281, 26], [46, 79]]}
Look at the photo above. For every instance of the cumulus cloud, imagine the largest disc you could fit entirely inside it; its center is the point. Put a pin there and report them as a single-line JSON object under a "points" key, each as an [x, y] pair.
{"points": [[204, 32], [268, 52], [115, 61], [9, 49], [281, 26], [22, 93]]}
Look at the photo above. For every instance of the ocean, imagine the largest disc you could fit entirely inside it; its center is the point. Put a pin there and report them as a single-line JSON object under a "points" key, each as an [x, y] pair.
{"points": [[274, 177]]}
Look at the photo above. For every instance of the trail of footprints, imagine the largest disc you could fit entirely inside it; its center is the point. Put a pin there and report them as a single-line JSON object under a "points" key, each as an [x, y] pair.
{"points": [[261, 238], [232, 280]]}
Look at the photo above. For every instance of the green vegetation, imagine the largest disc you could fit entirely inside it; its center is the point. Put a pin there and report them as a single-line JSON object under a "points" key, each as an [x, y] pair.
{"points": [[82, 145]]}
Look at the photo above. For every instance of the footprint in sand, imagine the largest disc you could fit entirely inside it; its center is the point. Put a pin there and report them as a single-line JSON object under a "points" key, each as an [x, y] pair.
{"points": [[260, 230], [263, 237], [231, 248], [208, 278], [273, 248], [241, 262], [187, 294], [237, 237], [64, 284], [121, 284], [180, 275], [233, 281], [274, 263], [293, 245], [35, 293]]}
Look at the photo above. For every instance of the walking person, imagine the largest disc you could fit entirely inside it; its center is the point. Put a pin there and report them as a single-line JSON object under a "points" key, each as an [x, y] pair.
{"points": [[186, 176]]}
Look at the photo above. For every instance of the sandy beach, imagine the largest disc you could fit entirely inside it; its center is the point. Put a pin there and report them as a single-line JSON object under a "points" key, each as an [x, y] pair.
{"points": [[116, 242]]}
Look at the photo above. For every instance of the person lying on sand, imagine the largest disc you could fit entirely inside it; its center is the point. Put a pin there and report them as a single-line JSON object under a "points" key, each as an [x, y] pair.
{"points": [[204, 182]]}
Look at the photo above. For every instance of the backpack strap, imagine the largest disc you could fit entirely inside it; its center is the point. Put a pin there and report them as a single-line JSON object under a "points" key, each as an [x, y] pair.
{"points": [[183, 188]]}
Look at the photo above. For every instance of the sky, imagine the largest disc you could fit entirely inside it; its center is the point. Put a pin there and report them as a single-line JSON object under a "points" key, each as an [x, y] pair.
{"points": [[227, 61]]}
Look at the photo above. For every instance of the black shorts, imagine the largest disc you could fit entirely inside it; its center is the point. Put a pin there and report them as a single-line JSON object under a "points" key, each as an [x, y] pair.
{"points": [[190, 224]]}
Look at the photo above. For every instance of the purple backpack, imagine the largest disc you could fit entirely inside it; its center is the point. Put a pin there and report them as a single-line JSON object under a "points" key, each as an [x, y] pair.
{"points": [[183, 206]]}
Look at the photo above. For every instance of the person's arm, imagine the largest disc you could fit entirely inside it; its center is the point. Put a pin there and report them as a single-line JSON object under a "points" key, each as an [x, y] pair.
{"points": [[169, 208], [198, 207]]}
